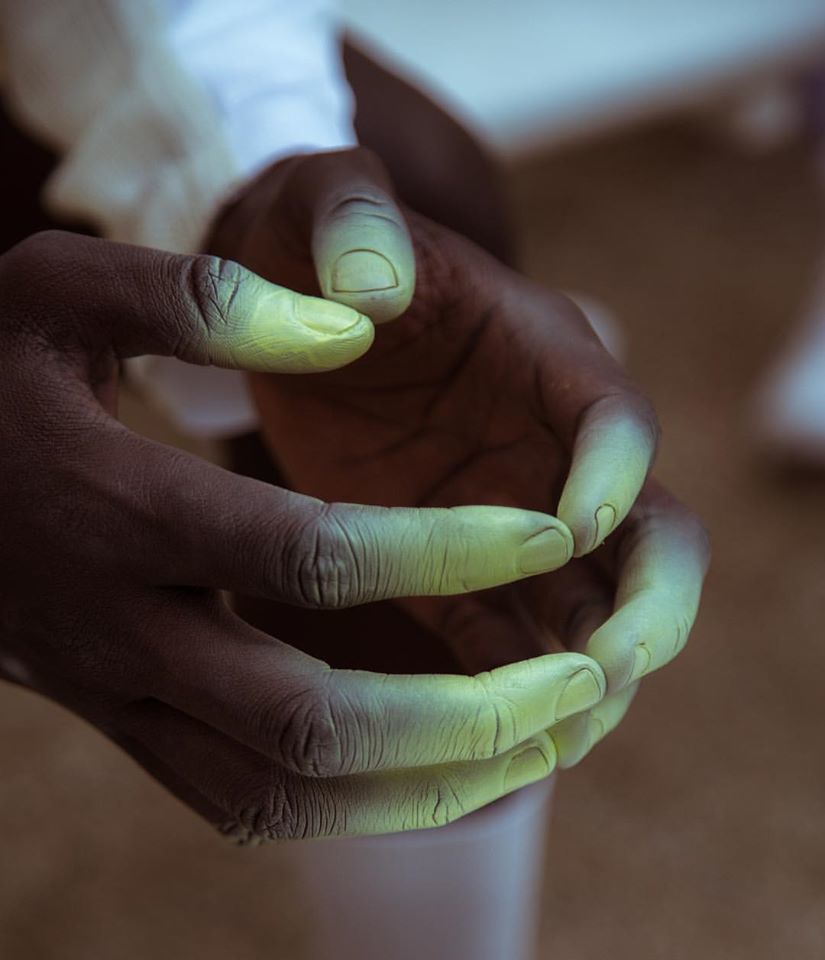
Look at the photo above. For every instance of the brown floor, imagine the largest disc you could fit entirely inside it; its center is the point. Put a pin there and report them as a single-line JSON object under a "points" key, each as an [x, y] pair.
{"points": [[696, 830]]}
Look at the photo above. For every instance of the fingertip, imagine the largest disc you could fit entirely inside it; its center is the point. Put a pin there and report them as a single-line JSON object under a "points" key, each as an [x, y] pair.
{"points": [[572, 739], [614, 651], [532, 763], [327, 318], [627, 651], [313, 336], [546, 550], [589, 528], [577, 676], [612, 456], [364, 257], [380, 306], [363, 271], [583, 690], [488, 546]]}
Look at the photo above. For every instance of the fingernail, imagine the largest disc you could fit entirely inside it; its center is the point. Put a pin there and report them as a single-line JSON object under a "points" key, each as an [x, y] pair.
{"points": [[325, 317], [605, 521], [574, 743], [641, 661], [545, 551], [527, 767], [363, 271], [596, 732], [583, 690]]}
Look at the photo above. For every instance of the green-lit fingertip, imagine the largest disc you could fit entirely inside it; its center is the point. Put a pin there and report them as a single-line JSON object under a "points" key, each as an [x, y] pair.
{"points": [[583, 690], [527, 767], [364, 257], [544, 551], [290, 333], [324, 317], [610, 462]]}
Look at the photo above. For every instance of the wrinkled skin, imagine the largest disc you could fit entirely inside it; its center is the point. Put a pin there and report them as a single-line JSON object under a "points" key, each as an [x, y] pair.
{"points": [[114, 550], [485, 389]]}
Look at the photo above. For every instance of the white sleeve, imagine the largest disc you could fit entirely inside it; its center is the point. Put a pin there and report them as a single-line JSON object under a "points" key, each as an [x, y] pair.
{"points": [[272, 70], [161, 108]]}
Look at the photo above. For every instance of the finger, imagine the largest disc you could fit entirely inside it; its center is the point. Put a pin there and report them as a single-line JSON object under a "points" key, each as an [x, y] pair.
{"points": [[612, 454], [134, 300], [322, 722], [267, 801], [222, 530], [575, 737], [662, 558], [360, 243], [609, 429]]}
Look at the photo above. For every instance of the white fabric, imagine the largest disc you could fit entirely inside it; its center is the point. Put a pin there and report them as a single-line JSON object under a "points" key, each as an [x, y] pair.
{"points": [[160, 109], [272, 71], [470, 890]]}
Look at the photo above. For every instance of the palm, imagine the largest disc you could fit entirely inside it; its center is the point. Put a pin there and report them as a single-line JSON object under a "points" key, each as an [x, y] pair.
{"points": [[433, 414], [446, 408]]}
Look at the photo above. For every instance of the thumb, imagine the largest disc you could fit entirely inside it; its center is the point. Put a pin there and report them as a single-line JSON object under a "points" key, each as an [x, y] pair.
{"points": [[102, 298], [360, 244]]}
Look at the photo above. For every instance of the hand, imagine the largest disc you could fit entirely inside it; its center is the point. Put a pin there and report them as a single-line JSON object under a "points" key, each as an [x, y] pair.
{"points": [[113, 549], [488, 389]]}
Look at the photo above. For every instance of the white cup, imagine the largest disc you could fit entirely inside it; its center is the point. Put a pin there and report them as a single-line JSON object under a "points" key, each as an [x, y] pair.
{"points": [[467, 891]]}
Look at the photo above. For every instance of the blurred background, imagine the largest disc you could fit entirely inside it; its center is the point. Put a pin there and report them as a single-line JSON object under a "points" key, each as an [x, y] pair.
{"points": [[667, 160]]}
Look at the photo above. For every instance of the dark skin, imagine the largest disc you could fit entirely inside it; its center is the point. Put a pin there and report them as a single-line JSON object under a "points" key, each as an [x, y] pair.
{"points": [[486, 389], [115, 548], [440, 170], [130, 633]]}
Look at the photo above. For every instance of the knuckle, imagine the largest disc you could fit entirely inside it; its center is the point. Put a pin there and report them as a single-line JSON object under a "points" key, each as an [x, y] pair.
{"points": [[323, 567], [309, 741], [366, 206], [213, 284], [440, 803], [495, 724], [267, 811]]}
